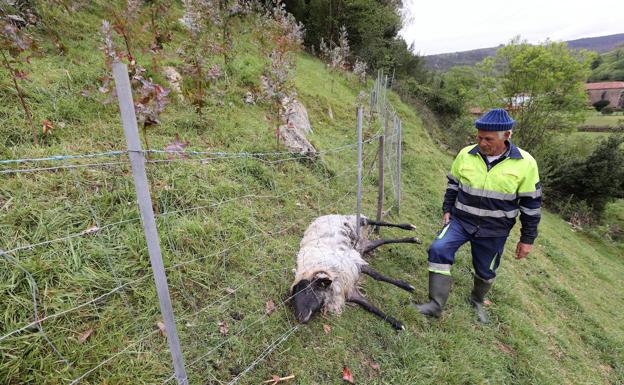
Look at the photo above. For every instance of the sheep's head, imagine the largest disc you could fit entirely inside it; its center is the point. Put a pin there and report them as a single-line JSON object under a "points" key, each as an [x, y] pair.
{"points": [[309, 295]]}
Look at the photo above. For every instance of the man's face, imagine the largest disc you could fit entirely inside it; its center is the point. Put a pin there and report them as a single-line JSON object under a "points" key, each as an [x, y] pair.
{"points": [[490, 144]]}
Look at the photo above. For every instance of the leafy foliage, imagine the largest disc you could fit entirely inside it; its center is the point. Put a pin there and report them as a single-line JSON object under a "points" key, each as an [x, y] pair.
{"points": [[372, 27], [608, 66], [150, 98], [592, 182], [16, 46], [541, 85], [278, 80], [359, 70]]}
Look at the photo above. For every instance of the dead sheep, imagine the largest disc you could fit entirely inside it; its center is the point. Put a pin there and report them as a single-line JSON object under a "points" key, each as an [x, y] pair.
{"points": [[329, 265]]}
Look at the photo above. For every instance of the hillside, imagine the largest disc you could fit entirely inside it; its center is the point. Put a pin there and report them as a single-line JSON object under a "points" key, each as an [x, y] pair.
{"points": [[444, 61], [230, 227], [608, 67]]}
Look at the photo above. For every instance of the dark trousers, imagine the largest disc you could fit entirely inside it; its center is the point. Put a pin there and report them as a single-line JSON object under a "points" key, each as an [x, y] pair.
{"points": [[486, 252]]}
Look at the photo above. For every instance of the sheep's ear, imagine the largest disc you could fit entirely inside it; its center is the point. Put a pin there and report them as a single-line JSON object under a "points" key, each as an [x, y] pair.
{"points": [[322, 280]]}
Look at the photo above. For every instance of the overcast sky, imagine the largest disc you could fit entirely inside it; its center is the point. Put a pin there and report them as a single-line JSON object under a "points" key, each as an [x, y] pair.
{"points": [[439, 26]]}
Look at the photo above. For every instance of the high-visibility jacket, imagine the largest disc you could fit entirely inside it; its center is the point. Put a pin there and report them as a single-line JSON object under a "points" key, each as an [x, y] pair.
{"points": [[486, 198]]}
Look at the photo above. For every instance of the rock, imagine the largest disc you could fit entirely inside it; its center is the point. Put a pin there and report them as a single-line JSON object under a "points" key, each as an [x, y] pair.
{"points": [[175, 79], [249, 98], [295, 140], [297, 115]]}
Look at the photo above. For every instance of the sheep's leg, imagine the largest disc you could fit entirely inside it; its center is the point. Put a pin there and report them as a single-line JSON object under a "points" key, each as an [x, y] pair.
{"points": [[404, 226], [380, 277], [360, 300], [372, 245]]}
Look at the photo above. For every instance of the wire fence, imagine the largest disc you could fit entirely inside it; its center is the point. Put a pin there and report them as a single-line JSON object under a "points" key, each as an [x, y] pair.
{"points": [[217, 251]]}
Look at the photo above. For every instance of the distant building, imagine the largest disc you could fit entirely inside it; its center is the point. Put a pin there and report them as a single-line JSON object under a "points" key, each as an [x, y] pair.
{"points": [[611, 91]]}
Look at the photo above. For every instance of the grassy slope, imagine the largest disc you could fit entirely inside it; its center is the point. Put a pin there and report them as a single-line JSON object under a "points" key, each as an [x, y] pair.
{"points": [[556, 315]]}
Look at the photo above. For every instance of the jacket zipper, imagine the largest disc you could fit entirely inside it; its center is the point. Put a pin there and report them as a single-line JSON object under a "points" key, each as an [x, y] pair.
{"points": [[487, 172]]}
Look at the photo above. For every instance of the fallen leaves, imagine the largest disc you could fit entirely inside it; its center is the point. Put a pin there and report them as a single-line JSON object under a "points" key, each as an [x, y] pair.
{"points": [[327, 328], [176, 148], [82, 338], [270, 307], [161, 328], [506, 349], [487, 302], [223, 328], [375, 366], [229, 290], [47, 127], [346, 375]]}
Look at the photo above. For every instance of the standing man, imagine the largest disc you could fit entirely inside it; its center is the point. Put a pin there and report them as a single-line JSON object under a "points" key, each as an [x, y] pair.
{"points": [[489, 184]]}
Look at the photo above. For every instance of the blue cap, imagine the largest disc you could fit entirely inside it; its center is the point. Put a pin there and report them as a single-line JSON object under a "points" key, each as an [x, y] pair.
{"points": [[495, 120]]}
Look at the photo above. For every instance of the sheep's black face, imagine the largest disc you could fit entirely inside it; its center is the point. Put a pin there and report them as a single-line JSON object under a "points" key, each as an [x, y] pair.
{"points": [[308, 298]]}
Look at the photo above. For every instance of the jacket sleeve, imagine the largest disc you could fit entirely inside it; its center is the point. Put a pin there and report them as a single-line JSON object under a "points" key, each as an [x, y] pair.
{"points": [[530, 201], [452, 187]]}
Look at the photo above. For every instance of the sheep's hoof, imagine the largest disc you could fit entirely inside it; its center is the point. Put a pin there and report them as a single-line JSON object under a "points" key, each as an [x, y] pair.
{"points": [[411, 289], [412, 227], [399, 326]]}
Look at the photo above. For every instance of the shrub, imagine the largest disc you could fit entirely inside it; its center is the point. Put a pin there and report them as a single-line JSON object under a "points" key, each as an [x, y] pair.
{"points": [[572, 186], [607, 110], [599, 105]]}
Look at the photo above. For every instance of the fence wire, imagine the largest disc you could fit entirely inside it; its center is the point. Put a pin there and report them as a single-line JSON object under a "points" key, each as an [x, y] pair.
{"points": [[136, 219], [379, 105], [38, 321]]}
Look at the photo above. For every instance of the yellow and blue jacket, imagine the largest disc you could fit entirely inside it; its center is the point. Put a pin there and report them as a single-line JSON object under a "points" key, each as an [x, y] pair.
{"points": [[486, 198]]}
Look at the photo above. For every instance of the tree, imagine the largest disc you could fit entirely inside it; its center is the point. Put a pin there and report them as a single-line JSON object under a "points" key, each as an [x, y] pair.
{"points": [[372, 27], [541, 85], [594, 181]]}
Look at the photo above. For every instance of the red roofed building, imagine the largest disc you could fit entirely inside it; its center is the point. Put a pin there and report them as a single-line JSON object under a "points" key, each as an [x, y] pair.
{"points": [[611, 91]]}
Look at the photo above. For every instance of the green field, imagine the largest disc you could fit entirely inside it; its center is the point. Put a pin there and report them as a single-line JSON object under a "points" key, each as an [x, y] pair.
{"points": [[596, 119], [230, 230], [580, 143]]}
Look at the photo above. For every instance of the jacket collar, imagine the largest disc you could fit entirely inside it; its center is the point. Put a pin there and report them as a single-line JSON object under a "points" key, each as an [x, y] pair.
{"points": [[512, 151]]}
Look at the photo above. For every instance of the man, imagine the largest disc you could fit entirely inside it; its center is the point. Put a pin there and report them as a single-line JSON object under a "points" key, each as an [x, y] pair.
{"points": [[489, 184]]}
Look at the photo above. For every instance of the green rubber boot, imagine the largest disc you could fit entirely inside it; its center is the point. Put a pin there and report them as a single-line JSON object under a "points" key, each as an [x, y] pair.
{"points": [[439, 288], [477, 297]]}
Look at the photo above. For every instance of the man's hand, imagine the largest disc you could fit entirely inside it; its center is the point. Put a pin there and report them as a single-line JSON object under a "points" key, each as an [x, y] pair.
{"points": [[446, 218], [522, 250]]}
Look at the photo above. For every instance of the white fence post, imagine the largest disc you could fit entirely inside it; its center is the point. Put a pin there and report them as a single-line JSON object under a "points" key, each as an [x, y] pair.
{"points": [[399, 135], [359, 170], [137, 161], [380, 181]]}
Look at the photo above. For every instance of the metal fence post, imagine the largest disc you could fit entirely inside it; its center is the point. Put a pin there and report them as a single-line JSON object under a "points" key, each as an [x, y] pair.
{"points": [[385, 92], [380, 189], [377, 89], [399, 135], [359, 170], [137, 160]]}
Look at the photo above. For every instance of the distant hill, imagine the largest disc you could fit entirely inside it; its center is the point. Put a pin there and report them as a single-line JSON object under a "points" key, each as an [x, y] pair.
{"points": [[608, 66], [444, 61]]}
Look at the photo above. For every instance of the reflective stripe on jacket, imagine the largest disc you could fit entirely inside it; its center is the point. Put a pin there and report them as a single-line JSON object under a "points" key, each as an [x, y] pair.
{"points": [[487, 198]]}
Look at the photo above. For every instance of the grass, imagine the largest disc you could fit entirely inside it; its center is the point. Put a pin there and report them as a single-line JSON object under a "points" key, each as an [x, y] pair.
{"points": [[556, 316], [581, 143], [596, 119]]}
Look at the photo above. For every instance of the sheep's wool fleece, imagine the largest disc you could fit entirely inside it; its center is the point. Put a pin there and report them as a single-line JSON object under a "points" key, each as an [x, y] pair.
{"points": [[330, 245]]}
